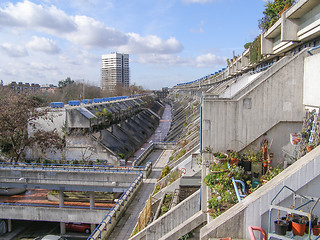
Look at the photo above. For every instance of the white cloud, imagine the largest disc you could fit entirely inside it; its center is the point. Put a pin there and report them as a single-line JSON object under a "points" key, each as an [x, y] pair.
{"points": [[209, 60], [43, 66], [42, 44], [150, 44], [165, 59], [28, 15], [204, 61], [13, 51], [80, 30], [92, 33]]}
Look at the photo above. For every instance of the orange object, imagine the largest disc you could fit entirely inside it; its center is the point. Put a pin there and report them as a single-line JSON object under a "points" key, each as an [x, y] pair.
{"points": [[252, 228], [316, 230], [298, 229]]}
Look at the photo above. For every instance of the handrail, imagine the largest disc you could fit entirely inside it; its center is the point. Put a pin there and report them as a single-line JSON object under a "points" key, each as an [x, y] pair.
{"points": [[263, 232], [109, 214], [243, 187], [236, 189], [311, 49], [234, 182], [74, 167], [53, 206]]}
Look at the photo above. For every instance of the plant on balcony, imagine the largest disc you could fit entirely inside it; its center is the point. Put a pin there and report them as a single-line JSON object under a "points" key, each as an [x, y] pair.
{"points": [[220, 182], [272, 12]]}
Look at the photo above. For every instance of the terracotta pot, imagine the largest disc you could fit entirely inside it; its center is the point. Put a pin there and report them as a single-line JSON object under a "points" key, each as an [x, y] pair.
{"points": [[234, 161], [316, 230], [309, 148], [298, 229]]}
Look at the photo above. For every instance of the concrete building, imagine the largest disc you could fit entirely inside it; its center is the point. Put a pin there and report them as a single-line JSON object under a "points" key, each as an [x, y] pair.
{"points": [[114, 71], [24, 87]]}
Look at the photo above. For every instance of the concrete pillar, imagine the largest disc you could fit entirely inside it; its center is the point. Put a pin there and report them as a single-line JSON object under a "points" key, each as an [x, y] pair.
{"points": [[61, 198], [61, 204], [92, 200], [62, 228], [93, 227], [9, 225], [203, 190], [289, 29], [266, 45]]}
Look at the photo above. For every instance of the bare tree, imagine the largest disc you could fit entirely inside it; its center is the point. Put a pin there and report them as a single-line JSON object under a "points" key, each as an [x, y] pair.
{"points": [[17, 113]]}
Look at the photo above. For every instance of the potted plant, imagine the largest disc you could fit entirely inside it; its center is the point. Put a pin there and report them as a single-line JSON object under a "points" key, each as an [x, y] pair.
{"points": [[256, 165], [309, 147], [316, 230], [234, 158], [281, 227], [299, 225], [221, 157]]}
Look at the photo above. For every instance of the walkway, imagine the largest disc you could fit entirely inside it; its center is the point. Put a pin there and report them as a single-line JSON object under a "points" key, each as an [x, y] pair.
{"points": [[159, 159], [159, 134], [128, 221]]}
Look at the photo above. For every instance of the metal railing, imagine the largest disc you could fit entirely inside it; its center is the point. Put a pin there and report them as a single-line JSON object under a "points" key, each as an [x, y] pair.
{"points": [[107, 220], [53, 206], [74, 167]]}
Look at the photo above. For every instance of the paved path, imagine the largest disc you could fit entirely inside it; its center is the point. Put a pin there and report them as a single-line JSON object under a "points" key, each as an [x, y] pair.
{"points": [[159, 134], [128, 221]]}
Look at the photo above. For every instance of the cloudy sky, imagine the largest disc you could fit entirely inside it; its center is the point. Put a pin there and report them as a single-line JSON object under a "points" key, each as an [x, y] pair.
{"points": [[169, 41]]}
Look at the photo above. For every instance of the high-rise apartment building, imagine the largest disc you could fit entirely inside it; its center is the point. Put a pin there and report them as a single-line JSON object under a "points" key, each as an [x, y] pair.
{"points": [[115, 71]]}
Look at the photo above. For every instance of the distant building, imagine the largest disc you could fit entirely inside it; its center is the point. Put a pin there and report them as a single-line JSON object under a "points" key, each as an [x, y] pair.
{"points": [[48, 88], [114, 71], [163, 93], [21, 87]]}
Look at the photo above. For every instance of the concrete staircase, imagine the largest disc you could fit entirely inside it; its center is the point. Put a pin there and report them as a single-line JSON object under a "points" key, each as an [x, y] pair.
{"points": [[268, 105]]}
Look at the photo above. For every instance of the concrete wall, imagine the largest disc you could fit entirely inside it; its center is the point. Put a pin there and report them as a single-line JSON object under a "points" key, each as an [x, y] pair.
{"points": [[302, 176], [51, 214], [173, 218], [274, 97], [72, 180], [277, 136], [74, 119], [311, 89], [58, 117]]}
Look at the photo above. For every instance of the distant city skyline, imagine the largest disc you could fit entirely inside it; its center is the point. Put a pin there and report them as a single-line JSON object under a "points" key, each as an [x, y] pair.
{"points": [[169, 41]]}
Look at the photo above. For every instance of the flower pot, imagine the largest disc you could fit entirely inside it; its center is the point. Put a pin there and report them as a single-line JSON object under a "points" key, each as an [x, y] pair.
{"points": [[289, 221], [281, 227], [298, 228], [309, 148], [256, 167], [234, 161], [246, 165], [316, 230], [314, 222]]}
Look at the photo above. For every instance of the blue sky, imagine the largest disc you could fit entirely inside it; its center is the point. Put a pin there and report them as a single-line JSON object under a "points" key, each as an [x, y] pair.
{"points": [[169, 41]]}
